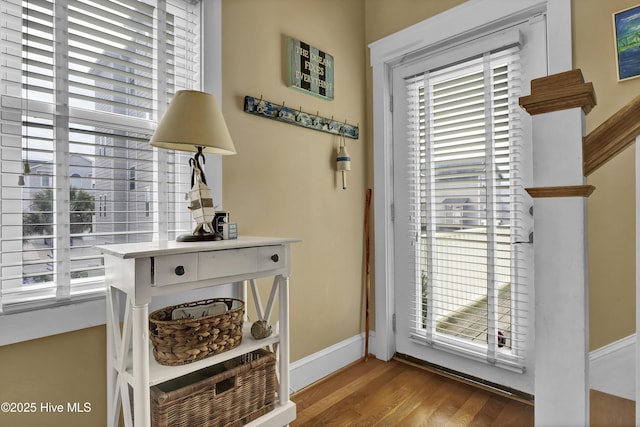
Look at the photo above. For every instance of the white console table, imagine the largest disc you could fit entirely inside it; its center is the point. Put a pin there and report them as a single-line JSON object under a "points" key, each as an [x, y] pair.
{"points": [[140, 271]]}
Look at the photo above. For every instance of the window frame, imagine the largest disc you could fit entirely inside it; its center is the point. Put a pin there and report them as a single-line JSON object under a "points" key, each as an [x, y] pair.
{"points": [[42, 322]]}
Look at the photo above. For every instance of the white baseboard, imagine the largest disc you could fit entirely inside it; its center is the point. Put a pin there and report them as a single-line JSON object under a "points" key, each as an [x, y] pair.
{"points": [[612, 368], [316, 366]]}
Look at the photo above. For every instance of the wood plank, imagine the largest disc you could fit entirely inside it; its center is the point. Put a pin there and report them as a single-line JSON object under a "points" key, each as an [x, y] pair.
{"points": [[611, 137], [330, 391], [559, 92], [383, 402], [425, 388], [429, 410], [352, 403], [611, 411], [490, 411], [348, 377], [563, 191], [515, 414], [471, 408]]}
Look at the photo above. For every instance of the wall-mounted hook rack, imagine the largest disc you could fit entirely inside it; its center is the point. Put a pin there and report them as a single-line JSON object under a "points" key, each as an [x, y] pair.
{"points": [[298, 117]]}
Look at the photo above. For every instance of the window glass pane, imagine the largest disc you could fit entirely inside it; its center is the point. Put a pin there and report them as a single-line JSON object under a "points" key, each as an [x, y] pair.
{"points": [[111, 57]]}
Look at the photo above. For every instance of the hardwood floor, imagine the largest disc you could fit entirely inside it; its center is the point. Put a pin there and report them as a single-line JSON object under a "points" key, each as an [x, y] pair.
{"points": [[611, 411], [375, 393], [394, 393]]}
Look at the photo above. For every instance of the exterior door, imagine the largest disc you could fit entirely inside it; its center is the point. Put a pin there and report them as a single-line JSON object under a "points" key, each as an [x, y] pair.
{"points": [[463, 223]]}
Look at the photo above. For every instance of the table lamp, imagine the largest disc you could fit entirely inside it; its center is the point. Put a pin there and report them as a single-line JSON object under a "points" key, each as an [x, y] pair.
{"points": [[193, 122]]}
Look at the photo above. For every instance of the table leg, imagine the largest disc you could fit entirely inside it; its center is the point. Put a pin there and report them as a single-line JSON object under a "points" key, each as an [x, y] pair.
{"points": [[242, 295], [140, 343], [283, 305], [113, 345]]}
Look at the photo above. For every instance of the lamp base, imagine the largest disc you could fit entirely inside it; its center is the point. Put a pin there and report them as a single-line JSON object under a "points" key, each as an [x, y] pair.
{"points": [[199, 237]]}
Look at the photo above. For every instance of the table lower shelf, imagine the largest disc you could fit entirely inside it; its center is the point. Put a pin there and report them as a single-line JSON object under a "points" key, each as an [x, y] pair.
{"points": [[281, 415]]}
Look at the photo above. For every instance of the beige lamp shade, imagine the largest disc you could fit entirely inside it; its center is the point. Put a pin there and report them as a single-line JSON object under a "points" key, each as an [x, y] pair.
{"points": [[193, 120]]}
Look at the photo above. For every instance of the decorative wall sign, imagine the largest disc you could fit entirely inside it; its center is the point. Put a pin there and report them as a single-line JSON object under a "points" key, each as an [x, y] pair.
{"points": [[626, 25], [310, 69]]}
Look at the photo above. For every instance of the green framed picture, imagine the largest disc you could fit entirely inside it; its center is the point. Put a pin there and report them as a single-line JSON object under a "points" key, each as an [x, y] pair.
{"points": [[310, 69]]}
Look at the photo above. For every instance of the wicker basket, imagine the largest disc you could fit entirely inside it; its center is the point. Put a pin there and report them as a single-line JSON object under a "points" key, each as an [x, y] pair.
{"points": [[177, 342], [229, 394]]}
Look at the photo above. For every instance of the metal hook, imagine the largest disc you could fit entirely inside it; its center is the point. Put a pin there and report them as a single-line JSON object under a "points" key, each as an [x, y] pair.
{"points": [[298, 114], [343, 127], [315, 119], [259, 107], [280, 113]]}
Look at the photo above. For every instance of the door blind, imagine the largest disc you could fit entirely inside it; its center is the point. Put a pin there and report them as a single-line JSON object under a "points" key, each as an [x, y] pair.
{"points": [[83, 85], [468, 210]]}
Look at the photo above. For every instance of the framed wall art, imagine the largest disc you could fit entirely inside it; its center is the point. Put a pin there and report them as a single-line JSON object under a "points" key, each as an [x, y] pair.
{"points": [[626, 26], [310, 69]]}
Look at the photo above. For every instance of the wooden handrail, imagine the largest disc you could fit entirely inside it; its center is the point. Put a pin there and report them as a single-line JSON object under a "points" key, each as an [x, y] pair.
{"points": [[611, 137]]}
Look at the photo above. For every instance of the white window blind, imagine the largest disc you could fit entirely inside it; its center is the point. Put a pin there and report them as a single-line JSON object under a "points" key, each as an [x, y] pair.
{"points": [[468, 215], [83, 85]]}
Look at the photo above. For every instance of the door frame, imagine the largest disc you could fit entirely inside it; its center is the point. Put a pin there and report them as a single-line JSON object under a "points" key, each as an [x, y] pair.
{"points": [[387, 52]]}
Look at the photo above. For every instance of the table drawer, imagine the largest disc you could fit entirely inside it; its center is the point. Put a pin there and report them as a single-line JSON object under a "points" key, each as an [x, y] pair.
{"points": [[270, 258], [226, 263], [173, 269]]}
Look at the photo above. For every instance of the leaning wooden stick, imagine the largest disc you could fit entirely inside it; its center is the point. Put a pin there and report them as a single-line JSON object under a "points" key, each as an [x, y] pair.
{"points": [[367, 275]]}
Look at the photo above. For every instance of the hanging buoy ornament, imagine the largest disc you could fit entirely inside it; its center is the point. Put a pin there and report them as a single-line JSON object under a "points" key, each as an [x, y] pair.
{"points": [[343, 164]]}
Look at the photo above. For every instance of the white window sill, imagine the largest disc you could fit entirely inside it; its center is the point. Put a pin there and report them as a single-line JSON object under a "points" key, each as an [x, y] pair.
{"points": [[29, 325]]}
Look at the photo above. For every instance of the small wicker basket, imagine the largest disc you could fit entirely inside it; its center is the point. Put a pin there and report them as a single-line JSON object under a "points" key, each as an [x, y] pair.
{"points": [[177, 342]]}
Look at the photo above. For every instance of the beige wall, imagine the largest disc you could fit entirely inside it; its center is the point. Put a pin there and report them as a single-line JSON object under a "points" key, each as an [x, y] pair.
{"points": [[282, 183], [58, 369], [383, 18], [611, 208]]}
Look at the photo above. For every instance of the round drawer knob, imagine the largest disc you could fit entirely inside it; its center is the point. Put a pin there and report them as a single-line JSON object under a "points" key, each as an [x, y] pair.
{"points": [[179, 270], [275, 258]]}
